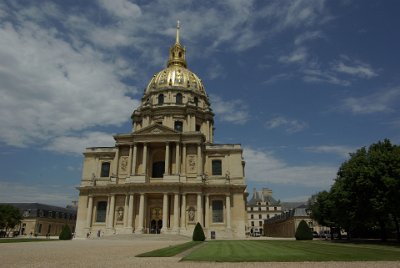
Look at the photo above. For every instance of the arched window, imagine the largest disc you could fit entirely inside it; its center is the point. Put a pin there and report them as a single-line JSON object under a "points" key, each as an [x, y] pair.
{"points": [[216, 167], [178, 126], [179, 98], [105, 169], [161, 99], [196, 101], [217, 211], [158, 169], [101, 211]]}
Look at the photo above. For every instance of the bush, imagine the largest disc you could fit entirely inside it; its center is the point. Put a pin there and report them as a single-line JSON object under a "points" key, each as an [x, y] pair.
{"points": [[198, 233], [303, 232], [65, 233]]}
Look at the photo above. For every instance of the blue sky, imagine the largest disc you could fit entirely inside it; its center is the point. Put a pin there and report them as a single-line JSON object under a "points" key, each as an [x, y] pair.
{"points": [[300, 84]]}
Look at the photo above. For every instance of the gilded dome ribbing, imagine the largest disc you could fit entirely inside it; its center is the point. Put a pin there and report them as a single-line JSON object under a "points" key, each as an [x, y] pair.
{"points": [[176, 75]]}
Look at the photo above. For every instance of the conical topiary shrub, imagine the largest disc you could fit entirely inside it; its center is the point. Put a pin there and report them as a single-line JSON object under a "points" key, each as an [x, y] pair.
{"points": [[65, 233], [198, 233], [303, 232]]}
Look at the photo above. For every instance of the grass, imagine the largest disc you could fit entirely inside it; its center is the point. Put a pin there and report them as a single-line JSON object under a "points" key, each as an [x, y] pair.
{"points": [[291, 251], [170, 251], [19, 240]]}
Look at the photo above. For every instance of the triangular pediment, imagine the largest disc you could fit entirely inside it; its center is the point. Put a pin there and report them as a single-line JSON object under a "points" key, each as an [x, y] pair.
{"points": [[156, 129]]}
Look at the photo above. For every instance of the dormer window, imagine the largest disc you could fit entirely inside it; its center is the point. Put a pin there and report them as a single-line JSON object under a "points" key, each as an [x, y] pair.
{"points": [[161, 99], [178, 126], [179, 98], [105, 169]]}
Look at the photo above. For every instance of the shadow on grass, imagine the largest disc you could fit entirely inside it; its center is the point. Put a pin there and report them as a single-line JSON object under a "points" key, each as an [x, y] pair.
{"points": [[171, 250]]}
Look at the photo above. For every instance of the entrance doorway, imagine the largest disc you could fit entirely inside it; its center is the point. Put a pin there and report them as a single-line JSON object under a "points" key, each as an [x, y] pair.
{"points": [[155, 220], [158, 169]]}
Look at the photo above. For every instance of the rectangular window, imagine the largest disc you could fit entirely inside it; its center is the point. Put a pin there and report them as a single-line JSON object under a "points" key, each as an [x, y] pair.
{"points": [[105, 169], [101, 211], [217, 211], [259, 216], [260, 223], [216, 167]]}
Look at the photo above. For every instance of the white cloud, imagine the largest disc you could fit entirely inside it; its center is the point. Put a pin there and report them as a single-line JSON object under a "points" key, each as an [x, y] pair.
{"points": [[233, 111], [320, 76], [60, 195], [289, 125], [121, 8], [77, 144], [340, 150], [382, 101], [49, 88], [306, 36], [264, 167], [297, 56], [354, 68]]}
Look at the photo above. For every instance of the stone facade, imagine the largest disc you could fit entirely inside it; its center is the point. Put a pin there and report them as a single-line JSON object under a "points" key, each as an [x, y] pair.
{"points": [[262, 206], [41, 219], [285, 224], [167, 174]]}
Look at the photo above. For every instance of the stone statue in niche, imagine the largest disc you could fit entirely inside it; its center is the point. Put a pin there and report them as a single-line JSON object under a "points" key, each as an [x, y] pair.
{"points": [[192, 163], [124, 163], [191, 213], [120, 214]]}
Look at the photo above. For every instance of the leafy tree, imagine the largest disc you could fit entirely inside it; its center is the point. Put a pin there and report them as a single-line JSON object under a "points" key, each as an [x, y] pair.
{"points": [[198, 233], [9, 217], [65, 233], [365, 194], [303, 232]]}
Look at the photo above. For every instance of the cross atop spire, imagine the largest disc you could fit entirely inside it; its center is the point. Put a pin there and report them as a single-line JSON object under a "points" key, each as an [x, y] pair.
{"points": [[177, 52], [178, 26]]}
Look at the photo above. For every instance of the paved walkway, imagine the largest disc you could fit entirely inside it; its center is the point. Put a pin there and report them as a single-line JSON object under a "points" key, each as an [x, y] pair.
{"points": [[120, 251]]}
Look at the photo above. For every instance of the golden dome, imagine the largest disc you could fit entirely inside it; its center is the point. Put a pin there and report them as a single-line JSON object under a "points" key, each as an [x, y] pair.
{"points": [[176, 75]]}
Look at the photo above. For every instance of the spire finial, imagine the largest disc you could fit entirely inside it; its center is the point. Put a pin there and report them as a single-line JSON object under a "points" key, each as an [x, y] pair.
{"points": [[178, 26]]}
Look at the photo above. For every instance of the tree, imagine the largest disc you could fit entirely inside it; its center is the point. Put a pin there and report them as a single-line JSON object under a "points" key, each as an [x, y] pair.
{"points": [[198, 233], [364, 198], [303, 232], [65, 233], [9, 217]]}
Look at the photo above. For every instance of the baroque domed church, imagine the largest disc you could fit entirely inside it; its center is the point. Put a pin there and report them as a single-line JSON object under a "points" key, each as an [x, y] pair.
{"points": [[167, 174]]}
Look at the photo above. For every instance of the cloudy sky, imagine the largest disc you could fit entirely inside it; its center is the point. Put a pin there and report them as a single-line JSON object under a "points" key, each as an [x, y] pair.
{"points": [[300, 84]]}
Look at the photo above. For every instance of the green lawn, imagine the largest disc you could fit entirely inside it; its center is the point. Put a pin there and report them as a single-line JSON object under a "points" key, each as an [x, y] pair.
{"points": [[170, 251], [18, 240], [291, 251]]}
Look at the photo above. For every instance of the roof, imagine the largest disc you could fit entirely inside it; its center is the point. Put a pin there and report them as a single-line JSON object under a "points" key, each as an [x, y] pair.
{"points": [[293, 213]]}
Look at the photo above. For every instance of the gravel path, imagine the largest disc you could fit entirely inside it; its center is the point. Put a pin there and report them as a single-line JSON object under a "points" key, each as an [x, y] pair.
{"points": [[121, 253]]}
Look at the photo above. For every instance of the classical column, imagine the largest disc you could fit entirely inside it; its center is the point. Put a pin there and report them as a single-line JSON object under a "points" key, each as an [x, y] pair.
{"points": [[184, 159], [145, 159], [199, 160], [183, 212], [116, 170], [126, 210], [130, 210], [165, 213], [108, 212], [111, 214], [141, 214], [228, 211], [176, 212], [134, 157], [166, 169], [207, 212], [89, 212], [199, 209], [130, 160], [177, 159]]}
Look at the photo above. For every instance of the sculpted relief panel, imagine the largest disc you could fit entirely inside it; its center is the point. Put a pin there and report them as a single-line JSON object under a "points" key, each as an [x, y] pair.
{"points": [[191, 164]]}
